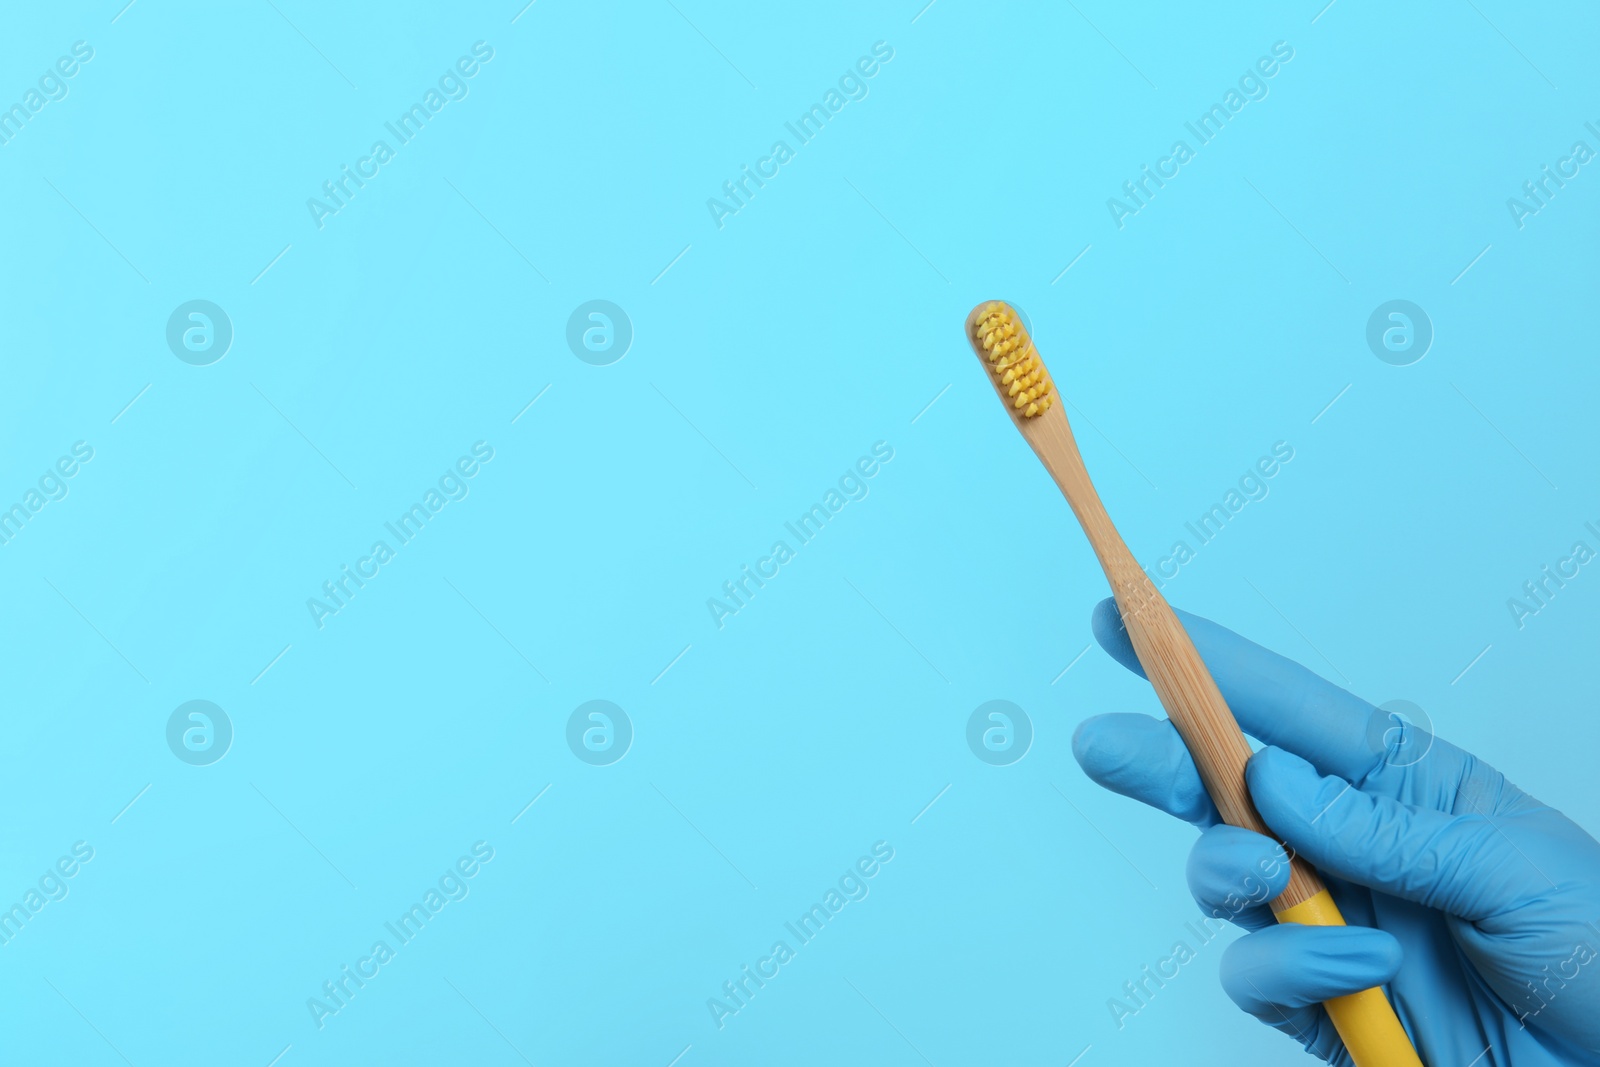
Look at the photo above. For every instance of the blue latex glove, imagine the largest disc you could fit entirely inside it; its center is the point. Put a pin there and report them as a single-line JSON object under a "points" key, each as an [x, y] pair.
{"points": [[1474, 905]]}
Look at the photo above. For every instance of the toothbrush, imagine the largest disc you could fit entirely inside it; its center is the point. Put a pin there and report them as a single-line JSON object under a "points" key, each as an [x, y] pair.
{"points": [[1366, 1021]]}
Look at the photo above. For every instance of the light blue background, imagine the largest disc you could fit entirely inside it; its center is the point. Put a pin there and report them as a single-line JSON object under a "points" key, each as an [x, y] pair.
{"points": [[776, 350]]}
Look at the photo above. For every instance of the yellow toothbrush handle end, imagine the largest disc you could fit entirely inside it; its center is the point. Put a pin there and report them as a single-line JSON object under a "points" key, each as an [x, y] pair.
{"points": [[1366, 1021]]}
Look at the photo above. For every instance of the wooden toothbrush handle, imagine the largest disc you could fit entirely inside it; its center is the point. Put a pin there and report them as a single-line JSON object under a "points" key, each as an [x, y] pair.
{"points": [[1195, 705], [1366, 1021], [1170, 660]]}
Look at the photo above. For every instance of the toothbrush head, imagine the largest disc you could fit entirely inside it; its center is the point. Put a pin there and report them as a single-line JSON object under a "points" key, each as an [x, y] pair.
{"points": [[1002, 342]]}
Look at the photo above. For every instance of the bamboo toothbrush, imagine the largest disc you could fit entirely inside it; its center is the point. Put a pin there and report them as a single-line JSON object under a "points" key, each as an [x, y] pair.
{"points": [[1365, 1020]]}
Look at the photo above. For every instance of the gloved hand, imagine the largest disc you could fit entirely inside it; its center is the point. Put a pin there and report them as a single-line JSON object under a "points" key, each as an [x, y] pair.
{"points": [[1474, 905]]}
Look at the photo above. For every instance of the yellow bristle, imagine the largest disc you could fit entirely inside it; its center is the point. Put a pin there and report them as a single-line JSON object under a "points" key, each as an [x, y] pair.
{"points": [[1012, 359]]}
